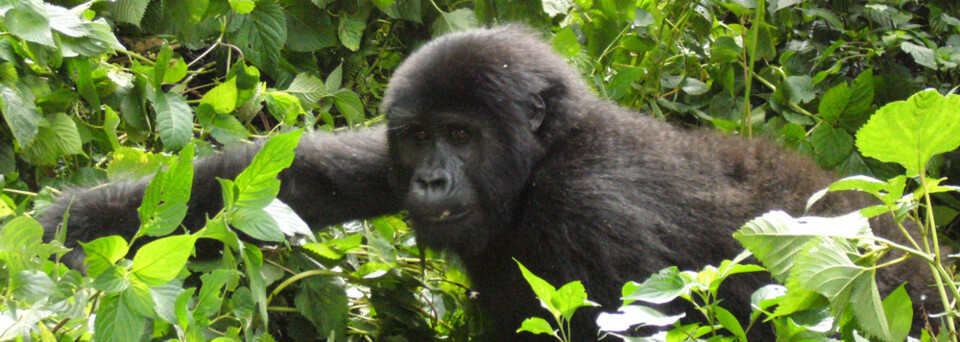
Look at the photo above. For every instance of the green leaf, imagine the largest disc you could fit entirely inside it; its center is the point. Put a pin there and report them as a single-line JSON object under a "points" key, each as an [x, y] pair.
{"points": [[283, 106], [20, 244], [174, 119], [921, 54], [130, 163], [536, 325], [351, 31], [161, 260], [21, 114], [632, 315], [335, 78], [308, 89], [110, 122], [258, 185], [176, 71], [117, 322], [459, 20], [554, 8], [210, 297], [834, 102], [831, 145], [911, 132], [137, 296], [269, 32], [308, 27], [242, 6], [257, 223], [323, 301], [288, 221], [899, 313], [28, 20], [160, 67], [112, 280], [777, 239], [541, 288], [165, 200], [103, 253], [569, 298], [349, 104], [729, 322], [128, 11], [660, 288], [34, 285], [223, 97], [828, 270], [565, 42], [800, 89], [59, 139]]}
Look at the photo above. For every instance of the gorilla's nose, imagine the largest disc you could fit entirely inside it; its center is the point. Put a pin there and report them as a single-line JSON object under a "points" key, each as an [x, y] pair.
{"points": [[432, 183]]}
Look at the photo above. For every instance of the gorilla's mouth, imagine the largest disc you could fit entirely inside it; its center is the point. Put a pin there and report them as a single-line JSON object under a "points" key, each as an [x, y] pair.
{"points": [[445, 217]]}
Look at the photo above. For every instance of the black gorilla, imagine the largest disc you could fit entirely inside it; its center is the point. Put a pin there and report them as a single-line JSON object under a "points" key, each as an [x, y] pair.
{"points": [[498, 151]]}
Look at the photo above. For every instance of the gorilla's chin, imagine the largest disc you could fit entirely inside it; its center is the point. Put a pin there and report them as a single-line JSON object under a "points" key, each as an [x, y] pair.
{"points": [[464, 232]]}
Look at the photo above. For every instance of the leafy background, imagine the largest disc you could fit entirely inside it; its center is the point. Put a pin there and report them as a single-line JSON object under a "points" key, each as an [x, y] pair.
{"points": [[101, 91]]}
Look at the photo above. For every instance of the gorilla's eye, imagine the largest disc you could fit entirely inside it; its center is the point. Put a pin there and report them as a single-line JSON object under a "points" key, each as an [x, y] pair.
{"points": [[421, 135], [459, 135]]}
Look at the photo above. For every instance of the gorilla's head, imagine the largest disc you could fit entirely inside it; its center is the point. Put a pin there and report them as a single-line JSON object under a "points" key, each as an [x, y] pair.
{"points": [[470, 115]]}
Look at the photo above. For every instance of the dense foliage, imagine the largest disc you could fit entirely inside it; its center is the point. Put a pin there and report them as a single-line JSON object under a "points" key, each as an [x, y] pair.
{"points": [[106, 90]]}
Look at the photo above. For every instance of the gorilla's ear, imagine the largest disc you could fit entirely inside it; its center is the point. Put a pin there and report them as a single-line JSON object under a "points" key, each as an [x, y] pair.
{"points": [[538, 110]]}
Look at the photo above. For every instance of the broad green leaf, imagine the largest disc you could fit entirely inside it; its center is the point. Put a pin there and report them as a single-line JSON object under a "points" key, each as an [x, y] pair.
{"points": [[308, 89], [210, 297], [800, 89], [139, 299], [103, 253], [556, 7], [335, 78], [257, 223], [351, 31], [161, 260], [288, 221], [921, 54], [34, 285], [268, 35], [242, 6], [899, 311], [128, 11], [29, 20], [323, 301], [117, 322], [283, 106], [110, 122], [541, 288], [253, 259], [176, 70], [174, 119], [21, 114], [536, 325], [131, 163], [165, 200], [20, 244], [834, 102], [308, 27], [729, 322], [632, 315], [569, 298], [831, 145], [65, 21], [827, 269], [349, 104], [223, 97], [459, 20], [112, 280], [60, 138], [160, 67], [164, 300], [257, 185], [322, 250], [565, 42], [660, 288], [911, 132], [776, 239]]}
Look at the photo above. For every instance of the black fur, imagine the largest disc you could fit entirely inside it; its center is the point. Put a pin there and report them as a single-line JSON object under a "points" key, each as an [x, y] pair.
{"points": [[499, 151]]}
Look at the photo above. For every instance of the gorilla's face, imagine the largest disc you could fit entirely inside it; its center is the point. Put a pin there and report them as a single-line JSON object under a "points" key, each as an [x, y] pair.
{"points": [[459, 171]]}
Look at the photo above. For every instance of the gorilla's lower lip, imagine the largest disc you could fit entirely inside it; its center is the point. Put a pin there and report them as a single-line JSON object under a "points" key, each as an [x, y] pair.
{"points": [[446, 216]]}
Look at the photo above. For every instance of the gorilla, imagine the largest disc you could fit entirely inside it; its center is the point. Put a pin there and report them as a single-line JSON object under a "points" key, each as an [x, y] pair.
{"points": [[499, 151]]}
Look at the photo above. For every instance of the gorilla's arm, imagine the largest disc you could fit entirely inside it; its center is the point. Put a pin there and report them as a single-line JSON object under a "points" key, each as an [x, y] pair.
{"points": [[333, 178]]}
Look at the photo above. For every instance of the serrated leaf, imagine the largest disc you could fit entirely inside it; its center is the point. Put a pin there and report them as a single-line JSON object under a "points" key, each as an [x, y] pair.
{"points": [[112, 280], [29, 21], [308, 89], [174, 119], [827, 269], [137, 296], [323, 250], [210, 297], [242, 6], [350, 31], [323, 301], [632, 315], [831, 145], [103, 253], [256, 223], [21, 115], [283, 106], [165, 200], [349, 104], [223, 97], [565, 42], [308, 27], [911, 132], [20, 243], [921, 54], [131, 163], [776, 238], [60, 138], [660, 288], [161, 260], [459, 20], [536, 325], [899, 313], [65, 21], [128, 11], [117, 322], [258, 185]]}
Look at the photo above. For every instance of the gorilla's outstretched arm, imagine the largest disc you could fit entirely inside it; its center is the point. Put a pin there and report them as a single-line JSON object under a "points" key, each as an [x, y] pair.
{"points": [[333, 178]]}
